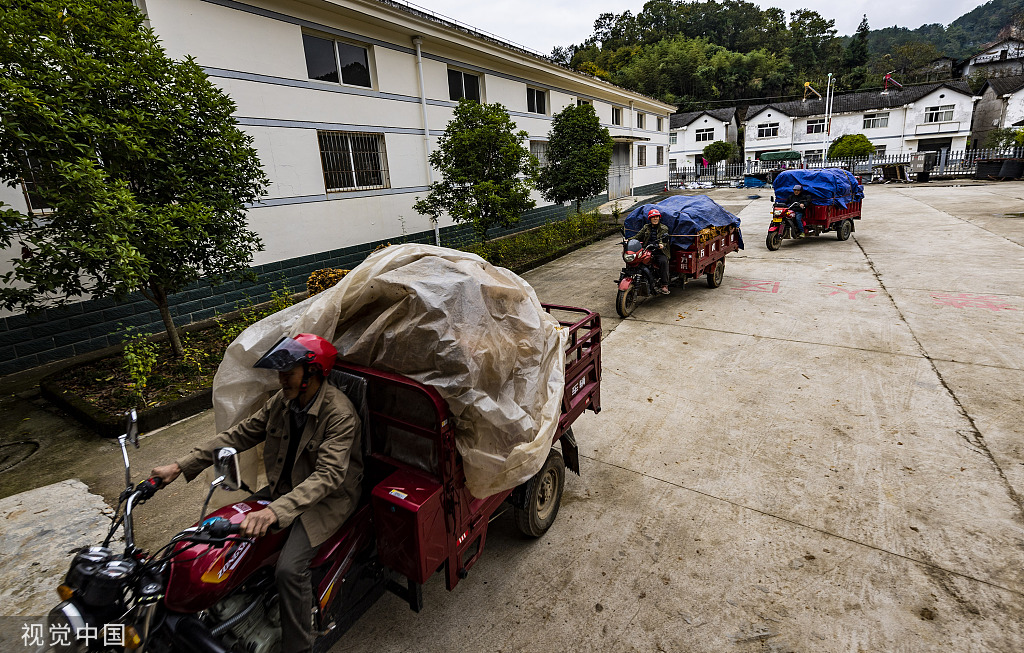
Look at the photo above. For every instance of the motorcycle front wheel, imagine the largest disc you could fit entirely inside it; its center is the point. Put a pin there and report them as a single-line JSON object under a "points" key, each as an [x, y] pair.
{"points": [[774, 240], [625, 301]]}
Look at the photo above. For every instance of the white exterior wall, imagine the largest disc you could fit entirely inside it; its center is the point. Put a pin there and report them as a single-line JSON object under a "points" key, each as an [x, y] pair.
{"points": [[891, 136], [783, 141], [687, 151], [255, 53], [958, 129], [1014, 109]]}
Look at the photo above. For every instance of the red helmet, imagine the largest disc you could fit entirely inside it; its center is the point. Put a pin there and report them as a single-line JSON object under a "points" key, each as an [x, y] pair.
{"points": [[652, 213], [317, 353]]}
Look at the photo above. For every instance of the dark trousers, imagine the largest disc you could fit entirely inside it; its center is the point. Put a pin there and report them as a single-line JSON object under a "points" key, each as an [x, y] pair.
{"points": [[662, 262], [296, 591], [798, 216]]}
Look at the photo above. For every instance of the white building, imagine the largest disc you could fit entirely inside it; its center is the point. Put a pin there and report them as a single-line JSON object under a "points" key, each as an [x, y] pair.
{"points": [[1001, 106], [691, 132], [1004, 57], [914, 119], [345, 99]]}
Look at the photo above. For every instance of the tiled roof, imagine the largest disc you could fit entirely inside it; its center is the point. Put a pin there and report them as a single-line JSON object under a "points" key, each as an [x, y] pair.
{"points": [[1004, 85], [854, 102], [683, 119]]}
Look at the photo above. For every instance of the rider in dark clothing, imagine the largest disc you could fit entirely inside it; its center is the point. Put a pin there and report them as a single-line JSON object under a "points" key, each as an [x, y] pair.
{"points": [[798, 210], [655, 233]]}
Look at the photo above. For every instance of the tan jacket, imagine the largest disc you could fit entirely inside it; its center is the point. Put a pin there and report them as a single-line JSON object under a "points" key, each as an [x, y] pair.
{"points": [[328, 468]]}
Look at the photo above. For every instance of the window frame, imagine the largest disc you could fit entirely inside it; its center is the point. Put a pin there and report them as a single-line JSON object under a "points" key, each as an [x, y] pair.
{"points": [[813, 125], [641, 120], [877, 120], [659, 157], [382, 161], [768, 130], [462, 76], [661, 123], [673, 138], [641, 156], [934, 114], [617, 116], [534, 93], [339, 70], [581, 101], [541, 152], [700, 134]]}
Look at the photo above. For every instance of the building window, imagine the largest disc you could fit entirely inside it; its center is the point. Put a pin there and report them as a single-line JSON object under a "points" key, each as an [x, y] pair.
{"points": [[539, 149], [812, 156], [672, 166], [580, 102], [463, 85], [942, 113], [768, 130], [353, 160], [640, 120], [616, 116], [31, 181], [879, 150], [660, 123], [876, 120], [326, 57], [704, 135], [673, 138], [535, 100], [816, 126], [661, 156], [641, 155]]}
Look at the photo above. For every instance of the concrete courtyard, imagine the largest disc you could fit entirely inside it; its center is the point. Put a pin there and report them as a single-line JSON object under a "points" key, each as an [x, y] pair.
{"points": [[824, 454]]}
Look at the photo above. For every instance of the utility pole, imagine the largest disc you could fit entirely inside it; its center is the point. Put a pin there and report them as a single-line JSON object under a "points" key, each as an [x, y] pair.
{"points": [[829, 95]]}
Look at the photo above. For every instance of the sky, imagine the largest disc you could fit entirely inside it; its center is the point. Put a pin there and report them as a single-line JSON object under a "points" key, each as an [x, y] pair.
{"points": [[541, 24]]}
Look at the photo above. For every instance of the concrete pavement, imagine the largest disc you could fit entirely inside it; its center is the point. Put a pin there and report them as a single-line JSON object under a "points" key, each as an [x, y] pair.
{"points": [[823, 454]]}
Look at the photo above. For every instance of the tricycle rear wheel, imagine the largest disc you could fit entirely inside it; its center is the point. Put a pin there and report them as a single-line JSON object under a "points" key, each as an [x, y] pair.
{"points": [[774, 240], [543, 497], [625, 301], [844, 229], [715, 276]]}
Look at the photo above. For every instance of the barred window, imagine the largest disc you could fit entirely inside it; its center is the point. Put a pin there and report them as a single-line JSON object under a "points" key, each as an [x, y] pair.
{"points": [[880, 150], [942, 113], [641, 155], [616, 116], [812, 155], [768, 130], [353, 160], [661, 156], [539, 149], [660, 123], [704, 135], [463, 85], [816, 126], [330, 61], [876, 120]]}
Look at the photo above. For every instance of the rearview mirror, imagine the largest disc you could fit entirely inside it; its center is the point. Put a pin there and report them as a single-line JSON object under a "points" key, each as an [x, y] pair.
{"points": [[225, 465]]}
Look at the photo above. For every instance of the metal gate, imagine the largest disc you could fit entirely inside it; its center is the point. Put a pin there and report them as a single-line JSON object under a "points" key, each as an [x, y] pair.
{"points": [[618, 173]]}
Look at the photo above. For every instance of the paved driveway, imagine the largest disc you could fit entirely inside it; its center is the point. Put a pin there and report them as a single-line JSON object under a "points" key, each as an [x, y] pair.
{"points": [[824, 454]]}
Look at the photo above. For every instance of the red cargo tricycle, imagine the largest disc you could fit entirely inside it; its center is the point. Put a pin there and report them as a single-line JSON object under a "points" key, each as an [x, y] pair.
{"points": [[817, 220], [211, 591]]}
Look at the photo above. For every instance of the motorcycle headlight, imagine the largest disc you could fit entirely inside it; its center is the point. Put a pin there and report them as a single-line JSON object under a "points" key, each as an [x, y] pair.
{"points": [[629, 257], [63, 622]]}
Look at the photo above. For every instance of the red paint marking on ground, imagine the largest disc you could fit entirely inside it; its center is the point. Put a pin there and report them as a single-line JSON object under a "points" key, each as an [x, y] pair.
{"points": [[756, 285], [967, 300], [850, 294]]}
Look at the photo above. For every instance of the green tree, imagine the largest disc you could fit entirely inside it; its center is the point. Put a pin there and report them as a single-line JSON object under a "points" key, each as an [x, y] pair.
{"points": [[579, 155], [850, 145], [137, 156], [718, 151], [487, 174]]}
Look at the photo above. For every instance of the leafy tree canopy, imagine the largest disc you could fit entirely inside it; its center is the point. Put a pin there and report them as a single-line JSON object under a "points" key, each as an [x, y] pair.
{"points": [[850, 145], [487, 174], [579, 155], [144, 170], [718, 151]]}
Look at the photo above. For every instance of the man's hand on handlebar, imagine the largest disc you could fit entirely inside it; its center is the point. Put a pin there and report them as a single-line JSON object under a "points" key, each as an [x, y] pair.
{"points": [[256, 524], [166, 473]]}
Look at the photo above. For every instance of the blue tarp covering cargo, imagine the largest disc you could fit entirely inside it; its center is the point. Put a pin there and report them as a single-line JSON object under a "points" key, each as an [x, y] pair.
{"points": [[685, 216], [827, 187]]}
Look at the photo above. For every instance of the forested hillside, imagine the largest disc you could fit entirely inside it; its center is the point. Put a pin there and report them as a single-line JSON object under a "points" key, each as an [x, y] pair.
{"points": [[705, 54]]}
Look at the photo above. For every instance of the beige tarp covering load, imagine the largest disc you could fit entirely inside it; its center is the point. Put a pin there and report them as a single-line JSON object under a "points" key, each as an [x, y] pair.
{"points": [[450, 320]]}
